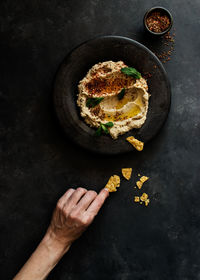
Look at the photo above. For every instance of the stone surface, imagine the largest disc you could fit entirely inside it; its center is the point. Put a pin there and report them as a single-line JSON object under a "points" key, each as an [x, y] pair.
{"points": [[38, 164]]}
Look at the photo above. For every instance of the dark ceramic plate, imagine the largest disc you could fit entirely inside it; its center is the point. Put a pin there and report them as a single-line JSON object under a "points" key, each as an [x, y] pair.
{"points": [[74, 68]]}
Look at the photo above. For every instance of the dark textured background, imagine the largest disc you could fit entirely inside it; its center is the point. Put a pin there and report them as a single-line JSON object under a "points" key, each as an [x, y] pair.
{"points": [[37, 163]]}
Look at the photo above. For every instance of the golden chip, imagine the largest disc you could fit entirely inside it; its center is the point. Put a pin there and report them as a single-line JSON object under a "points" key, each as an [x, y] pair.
{"points": [[137, 199], [138, 145], [147, 202], [144, 179], [141, 181], [139, 184], [126, 172], [113, 183], [144, 197]]}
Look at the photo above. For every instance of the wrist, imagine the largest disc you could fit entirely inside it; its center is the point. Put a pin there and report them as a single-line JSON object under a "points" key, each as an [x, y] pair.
{"points": [[54, 245], [44, 258]]}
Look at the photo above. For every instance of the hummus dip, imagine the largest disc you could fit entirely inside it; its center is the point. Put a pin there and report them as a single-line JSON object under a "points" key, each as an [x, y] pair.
{"points": [[106, 80]]}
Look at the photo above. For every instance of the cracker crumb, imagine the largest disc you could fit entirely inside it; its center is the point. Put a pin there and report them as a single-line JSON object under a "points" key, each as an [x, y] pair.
{"points": [[127, 172], [139, 184], [141, 181], [137, 199], [147, 202], [143, 199], [144, 179], [138, 145]]}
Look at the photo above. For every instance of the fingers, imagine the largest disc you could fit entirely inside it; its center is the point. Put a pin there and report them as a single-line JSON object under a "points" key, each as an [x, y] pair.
{"points": [[64, 198], [81, 200], [74, 198], [98, 202], [86, 200], [74, 212]]}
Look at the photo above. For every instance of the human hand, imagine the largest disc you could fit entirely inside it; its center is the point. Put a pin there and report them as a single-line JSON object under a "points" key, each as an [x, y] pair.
{"points": [[74, 212]]}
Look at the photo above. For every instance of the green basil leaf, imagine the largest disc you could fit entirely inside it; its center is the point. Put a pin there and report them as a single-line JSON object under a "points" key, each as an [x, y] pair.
{"points": [[92, 102], [98, 131], [109, 124], [121, 94], [105, 129], [130, 71], [88, 102]]}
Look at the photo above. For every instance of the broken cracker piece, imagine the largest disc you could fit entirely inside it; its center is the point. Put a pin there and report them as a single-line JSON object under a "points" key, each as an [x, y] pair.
{"points": [[139, 184], [138, 145], [144, 179], [144, 197], [113, 183], [141, 181], [126, 172], [137, 199], [146, 202]]}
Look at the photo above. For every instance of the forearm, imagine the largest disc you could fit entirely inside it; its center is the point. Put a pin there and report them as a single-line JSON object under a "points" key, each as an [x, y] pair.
{"points": [[74, 212], [43, 260]]}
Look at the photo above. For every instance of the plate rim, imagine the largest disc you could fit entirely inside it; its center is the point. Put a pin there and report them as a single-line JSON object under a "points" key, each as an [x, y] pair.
{"points": [[119, 37]]}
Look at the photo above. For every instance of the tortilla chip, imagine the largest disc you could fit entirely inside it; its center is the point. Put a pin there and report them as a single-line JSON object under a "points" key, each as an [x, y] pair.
{"points": [[113, 183], [138, 145], [126, 172]]}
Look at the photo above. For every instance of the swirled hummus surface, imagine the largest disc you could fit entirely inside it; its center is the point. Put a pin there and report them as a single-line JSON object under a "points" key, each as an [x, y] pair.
{"points": [[105, 80]]}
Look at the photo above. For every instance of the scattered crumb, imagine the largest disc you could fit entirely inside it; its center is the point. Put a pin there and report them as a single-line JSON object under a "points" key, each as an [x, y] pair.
{"points": [[137, 199], [168, 41], [144, 179], [138, 145], [139, 175], [147, 202], [127, 172], [141, 181], [147, 75], [142, 199], [139, 184], [113, 183]]}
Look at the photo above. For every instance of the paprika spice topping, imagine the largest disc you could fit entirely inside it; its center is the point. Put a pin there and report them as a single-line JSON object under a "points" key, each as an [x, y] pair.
{"points": [[100, 86], [158, 22]]}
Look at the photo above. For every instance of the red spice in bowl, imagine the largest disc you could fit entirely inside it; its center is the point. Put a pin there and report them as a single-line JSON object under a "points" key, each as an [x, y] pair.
{"points": [[158, 22]]}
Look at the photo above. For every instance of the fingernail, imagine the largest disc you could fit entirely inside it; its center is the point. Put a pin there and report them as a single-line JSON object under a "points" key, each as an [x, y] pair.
{"points": [[107, 190]]}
